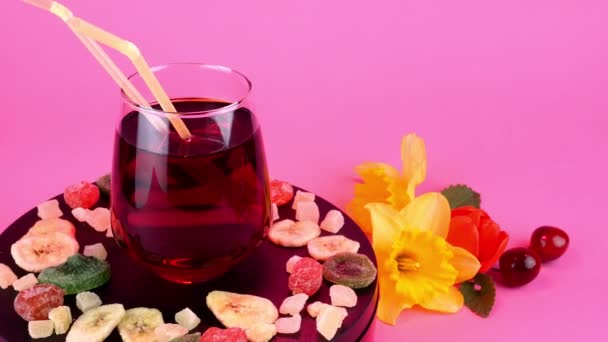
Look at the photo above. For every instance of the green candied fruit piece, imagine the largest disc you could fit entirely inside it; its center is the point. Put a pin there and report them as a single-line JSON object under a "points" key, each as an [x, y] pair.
{"points": [[196, 337], [104, 184], [350, 269], [78, 274]]}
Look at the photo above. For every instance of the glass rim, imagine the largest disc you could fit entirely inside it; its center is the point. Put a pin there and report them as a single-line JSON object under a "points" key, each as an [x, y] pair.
{"points": [[229, 107]]}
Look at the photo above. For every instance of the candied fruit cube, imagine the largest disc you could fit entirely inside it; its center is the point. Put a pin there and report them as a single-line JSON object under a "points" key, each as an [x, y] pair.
{"points": [[342, 296], [49, 209], [302, 196], [293, 304], [329, 320], [40, 329], [281, 192], [307, 211], [275, 212], [168, 331], [187, 319], [80, 214], [61, 317], [333, 222], [7, 276], [288, 325], [86, 301], [261, 332], [97, 251], [292, 261], [99, 219], [316, 307], [25, 282]]}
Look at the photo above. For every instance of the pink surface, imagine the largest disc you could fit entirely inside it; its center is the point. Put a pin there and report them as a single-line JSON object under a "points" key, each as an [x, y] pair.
{"points": [[511, 97]]}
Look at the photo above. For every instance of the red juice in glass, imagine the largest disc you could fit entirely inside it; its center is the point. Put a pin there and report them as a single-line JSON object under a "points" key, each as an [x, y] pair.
{"points": [[188, 210]]}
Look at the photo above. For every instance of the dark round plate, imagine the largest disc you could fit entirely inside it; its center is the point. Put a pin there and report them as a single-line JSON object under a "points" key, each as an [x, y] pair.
{"points": [[263, 274]]}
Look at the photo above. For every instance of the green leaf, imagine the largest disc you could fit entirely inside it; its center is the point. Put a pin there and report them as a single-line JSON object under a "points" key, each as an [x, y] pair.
{"points": [[461, 195], [479, 294]]}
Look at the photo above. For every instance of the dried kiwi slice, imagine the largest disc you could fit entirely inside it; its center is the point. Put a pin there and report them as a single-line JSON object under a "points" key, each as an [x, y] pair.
{"points": [[350, 269], [78, 274], [104, 184], [196, 337]]}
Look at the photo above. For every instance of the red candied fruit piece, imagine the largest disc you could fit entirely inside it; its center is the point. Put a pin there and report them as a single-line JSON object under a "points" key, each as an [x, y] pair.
{"points": [[281, 192], [35, 303], [214, 334], [306, 276], [83, 195]]}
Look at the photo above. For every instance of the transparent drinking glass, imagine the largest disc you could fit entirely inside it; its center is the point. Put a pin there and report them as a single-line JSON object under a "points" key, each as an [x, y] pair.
{"points": [[189, 210]]}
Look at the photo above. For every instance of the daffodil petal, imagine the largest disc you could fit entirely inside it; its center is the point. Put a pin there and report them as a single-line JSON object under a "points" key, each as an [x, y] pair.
{"points": [[413, 156], [356, 210], [430, 211], [386, 183], [391, 303], [387, 224], [380, 183], [465, 263], [448, 302]]}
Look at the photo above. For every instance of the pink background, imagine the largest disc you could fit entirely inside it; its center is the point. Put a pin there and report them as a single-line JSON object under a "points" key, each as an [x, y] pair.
{"points": [[511, 97]]}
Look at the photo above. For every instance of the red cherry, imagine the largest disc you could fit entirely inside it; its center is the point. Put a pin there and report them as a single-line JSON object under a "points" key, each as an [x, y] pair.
{"points": [[549, 242], [519, 266]]}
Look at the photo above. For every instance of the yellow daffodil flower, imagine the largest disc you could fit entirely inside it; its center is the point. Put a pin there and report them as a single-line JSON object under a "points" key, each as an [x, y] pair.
{"points": [[382, 183], [416, 266]]}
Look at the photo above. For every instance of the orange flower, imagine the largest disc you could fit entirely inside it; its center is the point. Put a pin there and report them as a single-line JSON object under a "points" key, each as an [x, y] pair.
{"points": [[473, 229]]}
